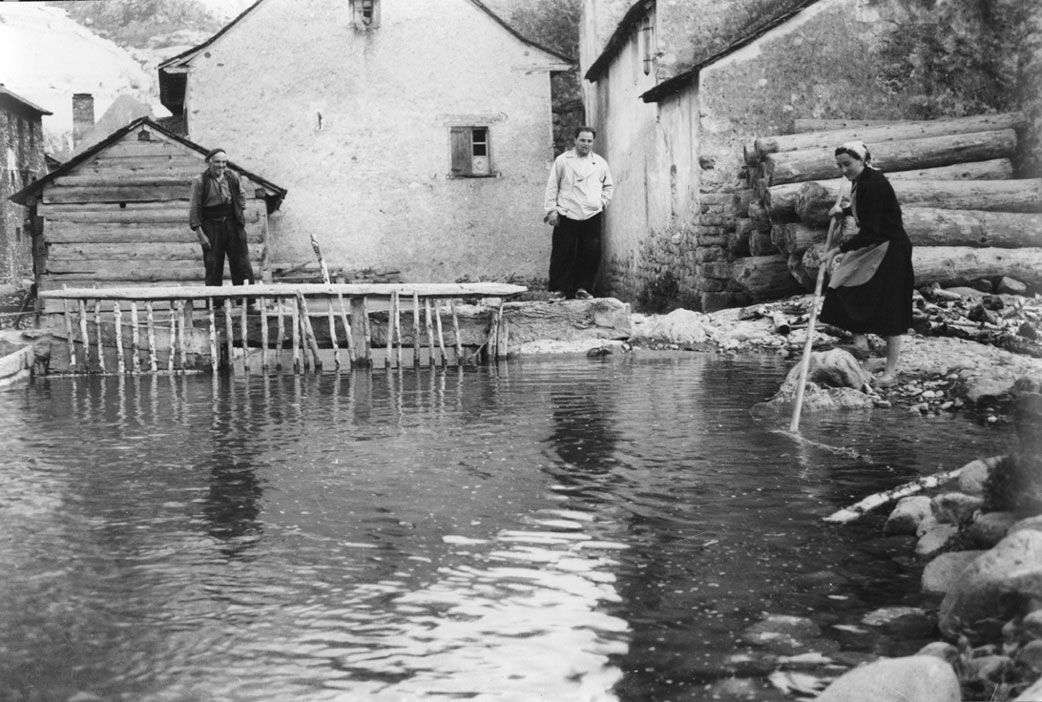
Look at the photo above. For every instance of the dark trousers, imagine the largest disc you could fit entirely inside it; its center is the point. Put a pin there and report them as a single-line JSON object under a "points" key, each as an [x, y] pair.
{"points": [[575, 255], [227, 239]]}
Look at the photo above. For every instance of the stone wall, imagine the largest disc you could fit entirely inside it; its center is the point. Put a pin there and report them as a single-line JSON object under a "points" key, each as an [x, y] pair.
{"points": [[21, 148]]}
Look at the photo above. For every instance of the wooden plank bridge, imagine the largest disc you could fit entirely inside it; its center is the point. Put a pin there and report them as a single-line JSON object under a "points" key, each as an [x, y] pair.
{"points": [[274, 327]]}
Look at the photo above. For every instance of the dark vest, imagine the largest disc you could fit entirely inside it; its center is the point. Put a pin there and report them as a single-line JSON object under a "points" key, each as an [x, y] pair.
{"points": [[233, 188]]}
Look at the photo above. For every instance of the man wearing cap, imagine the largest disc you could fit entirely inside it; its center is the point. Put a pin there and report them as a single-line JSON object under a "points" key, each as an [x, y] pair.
{"points": [[215, 214]]}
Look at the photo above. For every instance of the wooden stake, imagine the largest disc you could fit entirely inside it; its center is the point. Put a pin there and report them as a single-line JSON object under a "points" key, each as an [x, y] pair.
{"points": [[183, 314], [173, 336], [150, 327], [264, 335], [135, 339], [332, 333], [229, 331], [430, 330], [441, 335], [455, 331], [367, 332], [97, 328], [84, 339], [68, 334], [295, 333], [244, 334], [415, 328], [281, 335], [398, 329], [214, 359], [117, 320], [309, 332], [392, 312], [347, 330]]}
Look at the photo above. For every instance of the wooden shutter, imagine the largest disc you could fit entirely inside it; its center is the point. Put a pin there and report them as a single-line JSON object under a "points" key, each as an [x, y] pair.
{"points": [[462, 152]]}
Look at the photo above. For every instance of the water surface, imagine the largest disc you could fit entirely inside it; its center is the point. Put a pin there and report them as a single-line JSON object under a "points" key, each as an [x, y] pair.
{"points": [[545, 530]]}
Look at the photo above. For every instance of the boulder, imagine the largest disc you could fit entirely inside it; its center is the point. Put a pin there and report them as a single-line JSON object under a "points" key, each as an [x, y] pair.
{"points": [[935, 539], [941, 574], [1032, 694], [919, 678], [994, 588], [782, 633], [940, 649], [1029, 524], [955, 507], [908, 515], [682, 327], [973, 474], [902, 622], [834, 383], [1030, 655], [990, 528]]}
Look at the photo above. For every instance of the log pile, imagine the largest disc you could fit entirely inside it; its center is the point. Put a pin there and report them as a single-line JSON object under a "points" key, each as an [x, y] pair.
{"points": [[964, 209]]}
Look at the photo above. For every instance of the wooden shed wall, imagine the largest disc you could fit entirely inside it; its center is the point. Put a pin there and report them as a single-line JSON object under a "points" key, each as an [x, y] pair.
{"points": [[120, 218]]}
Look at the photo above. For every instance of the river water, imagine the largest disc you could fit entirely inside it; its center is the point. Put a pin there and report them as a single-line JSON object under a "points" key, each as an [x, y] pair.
{"points": [[540, 530]]}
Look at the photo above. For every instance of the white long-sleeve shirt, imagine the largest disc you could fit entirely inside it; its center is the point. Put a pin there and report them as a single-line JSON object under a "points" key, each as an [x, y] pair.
{"points": [[578, 187]]}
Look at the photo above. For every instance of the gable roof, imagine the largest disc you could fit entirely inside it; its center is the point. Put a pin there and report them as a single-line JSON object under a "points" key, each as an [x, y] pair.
{"points": [[172, 81], [14, 101], [273, 193]]}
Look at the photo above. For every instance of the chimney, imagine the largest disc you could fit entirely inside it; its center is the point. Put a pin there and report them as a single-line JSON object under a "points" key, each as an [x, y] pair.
{"points": [[82, 116]]}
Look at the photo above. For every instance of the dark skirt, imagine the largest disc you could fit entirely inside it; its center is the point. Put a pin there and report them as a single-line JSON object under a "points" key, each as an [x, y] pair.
{"points": [[881, 306]]}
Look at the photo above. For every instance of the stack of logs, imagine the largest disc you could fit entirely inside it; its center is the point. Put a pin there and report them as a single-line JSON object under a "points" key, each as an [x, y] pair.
{"points": [[968, 217]]}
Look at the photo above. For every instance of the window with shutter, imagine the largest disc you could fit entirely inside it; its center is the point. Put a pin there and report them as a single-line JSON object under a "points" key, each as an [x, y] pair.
{"points": [[366, 13], [471, 152]]}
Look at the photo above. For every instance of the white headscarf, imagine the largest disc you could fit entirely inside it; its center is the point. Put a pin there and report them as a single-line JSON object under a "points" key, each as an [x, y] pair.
{"points": [[857, 147]]}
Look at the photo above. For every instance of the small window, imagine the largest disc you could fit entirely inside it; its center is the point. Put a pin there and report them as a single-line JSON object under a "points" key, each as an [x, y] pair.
{"points": [[647, 33], [366, 13], [471, 152]]}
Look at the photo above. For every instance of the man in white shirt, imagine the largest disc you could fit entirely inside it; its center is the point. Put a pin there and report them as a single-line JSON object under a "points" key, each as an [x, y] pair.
{"points": [[578, 190]]}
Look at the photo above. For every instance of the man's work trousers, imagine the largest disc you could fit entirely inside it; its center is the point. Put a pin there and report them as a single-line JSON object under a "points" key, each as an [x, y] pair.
{"points": [[575, 255], [227, 238]]}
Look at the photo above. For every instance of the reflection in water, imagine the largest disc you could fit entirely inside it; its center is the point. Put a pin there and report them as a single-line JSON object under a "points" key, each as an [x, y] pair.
{"points": [[559, 531]]}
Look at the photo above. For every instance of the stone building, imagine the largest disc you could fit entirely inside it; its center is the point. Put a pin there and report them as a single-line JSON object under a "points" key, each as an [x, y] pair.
{"points": [[678, 89], [415, 136], [21, 143]]}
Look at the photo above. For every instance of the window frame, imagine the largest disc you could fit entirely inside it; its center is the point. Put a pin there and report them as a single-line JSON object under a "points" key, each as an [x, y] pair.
{"points": [[463, 161]]}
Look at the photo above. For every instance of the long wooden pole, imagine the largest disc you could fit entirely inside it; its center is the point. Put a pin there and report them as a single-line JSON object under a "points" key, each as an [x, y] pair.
{"points": [[794, 425]]}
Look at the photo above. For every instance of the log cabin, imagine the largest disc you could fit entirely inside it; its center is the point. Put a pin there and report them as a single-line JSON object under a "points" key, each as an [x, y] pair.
{"points": [[117, 214]]}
